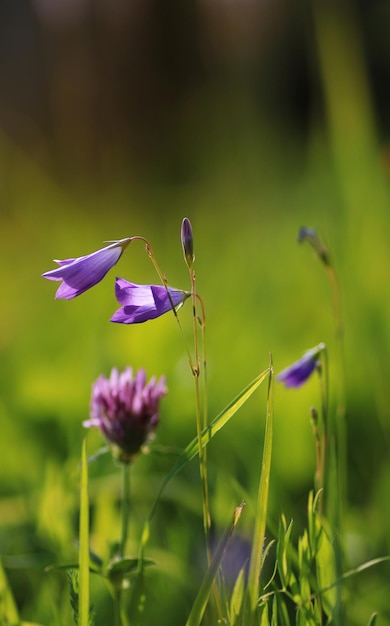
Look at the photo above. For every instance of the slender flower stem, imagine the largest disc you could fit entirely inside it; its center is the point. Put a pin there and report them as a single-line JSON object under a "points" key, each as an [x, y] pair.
{"points": [[203, 423], [317, 438], [202, 322], [117, 608], [199, 424], [324, 429], [125, 506], [120, 617], [340, 425]]}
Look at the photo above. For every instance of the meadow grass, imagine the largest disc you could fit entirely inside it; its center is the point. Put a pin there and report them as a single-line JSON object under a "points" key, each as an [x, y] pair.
{"points": [[310, 545], [280, 578]]}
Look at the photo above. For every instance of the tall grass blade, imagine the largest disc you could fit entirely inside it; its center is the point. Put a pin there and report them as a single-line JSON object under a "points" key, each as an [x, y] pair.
{"points": [[262, 505], [84, 541], [201, 599], [192, 450]]}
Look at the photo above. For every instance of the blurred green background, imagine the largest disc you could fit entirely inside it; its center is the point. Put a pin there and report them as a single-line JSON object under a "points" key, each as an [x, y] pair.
{"points": [[252, 119]]}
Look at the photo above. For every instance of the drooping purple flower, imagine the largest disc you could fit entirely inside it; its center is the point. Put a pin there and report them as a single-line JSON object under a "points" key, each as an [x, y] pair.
{"points": [[187, 242], [82, 273], [125, 408], [297, 374], [141, 303]]}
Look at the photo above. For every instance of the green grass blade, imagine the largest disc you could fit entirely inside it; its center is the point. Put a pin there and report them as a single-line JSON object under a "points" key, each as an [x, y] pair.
{"points": [[84, 541], [192, 450], [8, 609], [201, 599], [237, 597], [262, 504], [354, 571]]}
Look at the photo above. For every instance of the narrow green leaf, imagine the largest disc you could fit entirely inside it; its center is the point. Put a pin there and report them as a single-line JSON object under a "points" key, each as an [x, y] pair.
{"points": [[283, 551], [304, 560], [264, 621], [84, 541], [200, 603], [372, 620], [262, 504], [70, 565], [8, 609], [126, 566], [355, 571], [326, 573], [275, 620], [237, 597], [314, 521], [283, 617]]}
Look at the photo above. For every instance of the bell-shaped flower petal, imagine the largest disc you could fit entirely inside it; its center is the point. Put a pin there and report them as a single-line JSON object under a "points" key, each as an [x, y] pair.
{"points": [[141, 303], [78, 275], [297, 374]]}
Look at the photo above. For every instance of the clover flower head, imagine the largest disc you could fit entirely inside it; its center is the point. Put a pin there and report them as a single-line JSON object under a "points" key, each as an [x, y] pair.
{"points": [[298, 373], [187, 242], [82, 273], [141, 303], [125, 408]]}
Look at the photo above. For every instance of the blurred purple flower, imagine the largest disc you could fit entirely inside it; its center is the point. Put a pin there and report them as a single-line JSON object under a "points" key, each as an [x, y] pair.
{"points": [[78, 275], [141, 303], [126, 410], [187, 242], [297, 374]]}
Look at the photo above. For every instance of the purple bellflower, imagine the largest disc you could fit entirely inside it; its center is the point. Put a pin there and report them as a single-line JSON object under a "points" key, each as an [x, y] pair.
{"points": [[298, 373], [78, 275], [126, 410], [141, 303]]}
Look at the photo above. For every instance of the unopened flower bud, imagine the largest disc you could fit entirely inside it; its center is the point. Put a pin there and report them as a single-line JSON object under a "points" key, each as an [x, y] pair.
{"points": [[310, 235], [187, 242]]}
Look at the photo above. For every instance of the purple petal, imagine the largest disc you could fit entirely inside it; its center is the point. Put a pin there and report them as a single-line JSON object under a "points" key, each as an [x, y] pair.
{"points": [[125, 408], [82, 273], [141, 303], [297, 374]]}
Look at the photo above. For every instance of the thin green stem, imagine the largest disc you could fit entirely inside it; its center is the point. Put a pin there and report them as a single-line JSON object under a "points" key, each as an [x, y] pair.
{"points": [[120, 617], [125, 506], [202, 322], [117, 608], [324, 426], [340, 425], [199, 424]]}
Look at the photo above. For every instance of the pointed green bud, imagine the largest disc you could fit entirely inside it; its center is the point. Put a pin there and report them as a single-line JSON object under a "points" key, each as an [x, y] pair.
{"points": [[187, 242]]}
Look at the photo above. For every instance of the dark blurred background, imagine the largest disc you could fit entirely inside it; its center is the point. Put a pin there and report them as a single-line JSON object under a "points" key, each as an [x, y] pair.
{"points": [[252, 118], [90, 89]]}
